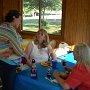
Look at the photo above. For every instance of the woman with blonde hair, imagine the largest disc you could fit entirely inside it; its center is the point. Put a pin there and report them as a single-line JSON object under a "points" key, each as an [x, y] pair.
{"points": [[80, 76], [40, 49]]}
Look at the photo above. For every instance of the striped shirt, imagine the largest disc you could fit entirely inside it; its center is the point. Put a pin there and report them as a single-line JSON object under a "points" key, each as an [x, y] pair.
{"points": [[11, 38]]}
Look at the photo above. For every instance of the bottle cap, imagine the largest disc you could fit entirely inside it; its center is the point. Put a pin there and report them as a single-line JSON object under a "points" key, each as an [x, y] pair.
{"points": [[33, 61]]}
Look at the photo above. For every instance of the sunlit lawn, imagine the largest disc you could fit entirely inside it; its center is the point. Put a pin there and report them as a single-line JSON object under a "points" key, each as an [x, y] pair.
{"points": [[52, 27]]}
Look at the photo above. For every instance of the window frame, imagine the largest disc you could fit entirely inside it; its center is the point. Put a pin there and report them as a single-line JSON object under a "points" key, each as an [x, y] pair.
{"points": [[29, 34]]}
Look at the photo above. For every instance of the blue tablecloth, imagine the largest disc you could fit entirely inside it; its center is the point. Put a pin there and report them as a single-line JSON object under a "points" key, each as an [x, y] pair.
{"points": [[24, 81]]}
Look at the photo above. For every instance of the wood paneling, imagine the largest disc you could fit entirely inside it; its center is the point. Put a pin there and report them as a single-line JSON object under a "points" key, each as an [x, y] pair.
{"points": [[77, 21], [6, 5], [1, 10]]}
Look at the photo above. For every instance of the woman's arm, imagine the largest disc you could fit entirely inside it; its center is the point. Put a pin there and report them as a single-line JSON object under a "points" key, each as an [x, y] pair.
{"points": [[28, 49], [61, 81], [21, 52], [51, 52]]}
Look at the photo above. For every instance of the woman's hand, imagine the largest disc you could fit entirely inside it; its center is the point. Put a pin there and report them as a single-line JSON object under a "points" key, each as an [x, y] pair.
{"points": [[50, 50], [55, 74], [61, 81], [51, 53], [28, 49], [29, 63]]}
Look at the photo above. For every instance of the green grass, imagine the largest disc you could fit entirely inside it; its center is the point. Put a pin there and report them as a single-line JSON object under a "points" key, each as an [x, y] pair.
{"points": [[52, 26]]}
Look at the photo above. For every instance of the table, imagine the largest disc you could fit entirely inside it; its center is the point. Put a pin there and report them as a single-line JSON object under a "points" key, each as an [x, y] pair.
{"points": [[24, 81]]}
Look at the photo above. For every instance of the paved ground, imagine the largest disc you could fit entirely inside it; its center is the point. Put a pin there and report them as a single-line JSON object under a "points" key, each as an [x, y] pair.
{"points": [[46, 17]]}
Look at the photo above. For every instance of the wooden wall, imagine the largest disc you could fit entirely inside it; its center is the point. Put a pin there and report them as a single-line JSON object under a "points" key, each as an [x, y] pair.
{"points": [[6, 5], [1, 11], [77, 20]]}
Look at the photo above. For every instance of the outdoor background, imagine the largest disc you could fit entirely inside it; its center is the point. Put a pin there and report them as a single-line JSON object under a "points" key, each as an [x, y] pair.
{"points": [[51, 15]]}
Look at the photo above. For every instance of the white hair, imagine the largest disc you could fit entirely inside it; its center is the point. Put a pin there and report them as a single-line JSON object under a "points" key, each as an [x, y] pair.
{"points": [[84, 54]]}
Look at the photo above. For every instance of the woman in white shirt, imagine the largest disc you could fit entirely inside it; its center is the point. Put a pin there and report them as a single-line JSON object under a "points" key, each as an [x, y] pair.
{"points": [[40, 49]]}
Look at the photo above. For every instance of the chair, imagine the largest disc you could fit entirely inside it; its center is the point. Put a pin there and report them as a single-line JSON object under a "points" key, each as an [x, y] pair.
{"points": [[62, 49]]}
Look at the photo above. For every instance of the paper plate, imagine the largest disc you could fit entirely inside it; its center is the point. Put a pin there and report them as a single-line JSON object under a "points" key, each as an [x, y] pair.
{"points": [[46, 63]]}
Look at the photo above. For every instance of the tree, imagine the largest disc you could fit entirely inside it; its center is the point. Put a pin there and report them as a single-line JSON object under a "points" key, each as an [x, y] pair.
{"points": [[29, 5]]}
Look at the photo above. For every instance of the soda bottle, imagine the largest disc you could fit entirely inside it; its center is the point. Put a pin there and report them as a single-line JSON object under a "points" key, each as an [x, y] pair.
{"points": [[33, 70], [64, 62], [49, 72]]}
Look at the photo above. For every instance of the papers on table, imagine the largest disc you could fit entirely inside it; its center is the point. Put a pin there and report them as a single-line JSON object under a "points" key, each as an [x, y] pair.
{"points": [[51, 80]]}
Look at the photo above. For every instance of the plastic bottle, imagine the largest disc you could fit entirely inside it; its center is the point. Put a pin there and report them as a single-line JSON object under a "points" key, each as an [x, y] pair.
{"points": [[49, 72], [33, 70]]}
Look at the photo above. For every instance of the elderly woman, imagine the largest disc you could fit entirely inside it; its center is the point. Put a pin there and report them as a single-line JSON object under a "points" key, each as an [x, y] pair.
{"points": [[80, 76]]}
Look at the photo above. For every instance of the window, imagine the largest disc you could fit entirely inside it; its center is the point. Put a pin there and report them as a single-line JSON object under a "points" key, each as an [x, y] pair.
{"points": [[46, 14]]}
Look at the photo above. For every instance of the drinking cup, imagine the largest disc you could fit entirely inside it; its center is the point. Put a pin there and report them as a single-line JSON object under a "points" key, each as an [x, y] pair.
{"points": [[54, 64]]}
